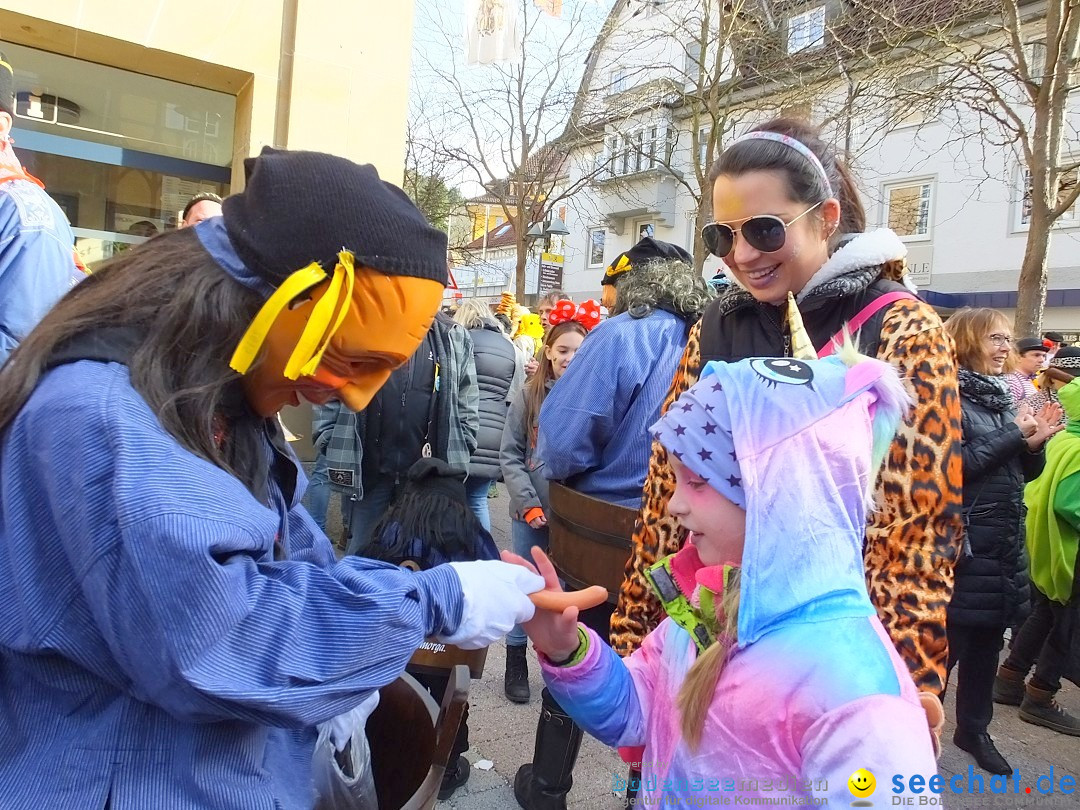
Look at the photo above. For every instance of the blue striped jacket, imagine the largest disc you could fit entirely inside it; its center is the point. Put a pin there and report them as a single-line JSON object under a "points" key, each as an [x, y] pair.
{"points": [[153, 652], [594, 425]]}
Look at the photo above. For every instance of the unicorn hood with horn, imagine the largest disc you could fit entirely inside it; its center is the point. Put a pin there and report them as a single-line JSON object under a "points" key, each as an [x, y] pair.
{"points": [[810, 689]]}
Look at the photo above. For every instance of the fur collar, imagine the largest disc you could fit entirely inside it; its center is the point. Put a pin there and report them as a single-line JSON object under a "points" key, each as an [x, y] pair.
{"points": [[865, 250], [852, 268]]}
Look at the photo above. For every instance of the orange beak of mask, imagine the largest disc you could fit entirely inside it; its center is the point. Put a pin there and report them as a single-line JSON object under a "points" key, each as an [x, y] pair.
{"points": [[333, 335]]}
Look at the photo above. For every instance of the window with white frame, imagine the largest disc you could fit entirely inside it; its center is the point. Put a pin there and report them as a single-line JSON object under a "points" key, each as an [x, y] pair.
{"points": [[600, 165], [1066, 184], [693, 66], [806, 30], [917, 100], [618, 80], [635, 151], [597, 238], [654, 131], [1035, 56], [908, 209], [703, 145]]}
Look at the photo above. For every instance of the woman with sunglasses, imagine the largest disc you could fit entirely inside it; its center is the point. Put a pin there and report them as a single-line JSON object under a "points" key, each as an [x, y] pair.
{"points": [[788, 221]]}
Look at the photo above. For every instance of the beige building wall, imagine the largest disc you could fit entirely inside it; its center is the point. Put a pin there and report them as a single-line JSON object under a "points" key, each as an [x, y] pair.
{"points": [[348, 93], [350, 68]]}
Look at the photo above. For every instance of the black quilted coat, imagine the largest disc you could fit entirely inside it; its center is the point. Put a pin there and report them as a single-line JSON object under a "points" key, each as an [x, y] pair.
{"points": [[496, 369], [992, 587]]}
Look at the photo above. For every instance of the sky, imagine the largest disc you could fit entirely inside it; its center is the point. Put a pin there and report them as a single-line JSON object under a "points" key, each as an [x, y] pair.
{"points": [[438, 45]]}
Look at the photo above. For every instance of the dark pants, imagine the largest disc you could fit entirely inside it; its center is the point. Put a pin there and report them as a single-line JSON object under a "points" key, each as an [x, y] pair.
{"points": [[975, 650], [1043, 641], [436, 685], [598, 619]]}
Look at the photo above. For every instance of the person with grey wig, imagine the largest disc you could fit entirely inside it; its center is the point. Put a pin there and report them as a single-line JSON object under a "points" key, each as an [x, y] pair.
{"points": [[593, 433]]}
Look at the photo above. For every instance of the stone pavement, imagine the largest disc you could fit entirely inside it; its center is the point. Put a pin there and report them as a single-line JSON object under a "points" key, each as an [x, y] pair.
{"points": [[502, 733]]}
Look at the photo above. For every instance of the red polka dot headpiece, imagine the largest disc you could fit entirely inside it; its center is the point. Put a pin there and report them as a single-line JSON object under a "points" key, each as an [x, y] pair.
{"points": [[587, 313]]}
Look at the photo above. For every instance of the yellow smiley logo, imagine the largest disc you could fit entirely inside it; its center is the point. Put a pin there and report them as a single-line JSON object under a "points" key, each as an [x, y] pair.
{"points": [[862, 783]]}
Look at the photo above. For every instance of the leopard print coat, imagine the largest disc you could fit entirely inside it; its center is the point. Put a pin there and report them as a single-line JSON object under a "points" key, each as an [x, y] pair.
{"points": [[911, 541]]}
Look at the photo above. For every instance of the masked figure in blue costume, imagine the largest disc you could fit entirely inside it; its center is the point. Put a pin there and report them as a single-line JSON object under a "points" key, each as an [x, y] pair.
{"points": [[174, 625]]}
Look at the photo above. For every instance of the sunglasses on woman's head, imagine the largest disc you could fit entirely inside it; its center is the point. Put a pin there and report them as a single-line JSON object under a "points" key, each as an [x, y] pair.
{"points": [[764, 233]]}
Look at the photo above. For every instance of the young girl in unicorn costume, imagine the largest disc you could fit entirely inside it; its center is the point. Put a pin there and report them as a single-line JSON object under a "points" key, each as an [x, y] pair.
{"points": [[772, 675]]}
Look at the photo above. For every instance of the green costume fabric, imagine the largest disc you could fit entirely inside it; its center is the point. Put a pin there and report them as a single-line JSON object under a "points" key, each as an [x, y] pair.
{"points": [[1052, 535]]}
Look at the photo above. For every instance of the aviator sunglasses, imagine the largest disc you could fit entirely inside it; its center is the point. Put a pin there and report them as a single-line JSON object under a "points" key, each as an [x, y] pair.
{"points": [[765, 233]]}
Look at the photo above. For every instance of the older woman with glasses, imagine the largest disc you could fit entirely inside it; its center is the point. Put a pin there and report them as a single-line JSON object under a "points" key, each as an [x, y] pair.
{"points": [[1002, 450]]}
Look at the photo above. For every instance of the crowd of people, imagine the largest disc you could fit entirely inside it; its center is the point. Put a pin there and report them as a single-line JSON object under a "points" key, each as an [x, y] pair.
{"points": [[844, 504]]}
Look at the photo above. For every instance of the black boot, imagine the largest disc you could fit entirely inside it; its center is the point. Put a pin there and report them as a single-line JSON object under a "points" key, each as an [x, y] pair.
{"points": [[544, 783], [456, 775], [633, 785], [983, 749], [516, 683]]}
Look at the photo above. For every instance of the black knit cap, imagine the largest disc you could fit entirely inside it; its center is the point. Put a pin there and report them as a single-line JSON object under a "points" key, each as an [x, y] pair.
{"points": [[645, 251], [435, 475], [300, 207], [7, 86]]}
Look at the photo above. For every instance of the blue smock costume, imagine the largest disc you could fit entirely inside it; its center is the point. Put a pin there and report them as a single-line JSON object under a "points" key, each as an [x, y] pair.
{"points": [[167, 640]]}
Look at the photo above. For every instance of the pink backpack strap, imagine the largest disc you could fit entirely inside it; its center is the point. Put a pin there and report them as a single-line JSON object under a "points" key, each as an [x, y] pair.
{"points": [[853, 326]]}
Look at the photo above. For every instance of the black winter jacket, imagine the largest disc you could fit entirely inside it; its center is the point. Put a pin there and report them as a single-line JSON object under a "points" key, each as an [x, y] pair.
{"points": [[497, 374], [736, 326], [992, 588]]}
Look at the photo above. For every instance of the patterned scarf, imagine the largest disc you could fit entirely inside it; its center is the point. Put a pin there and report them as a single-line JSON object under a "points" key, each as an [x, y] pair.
{"points": [[987, 390]]}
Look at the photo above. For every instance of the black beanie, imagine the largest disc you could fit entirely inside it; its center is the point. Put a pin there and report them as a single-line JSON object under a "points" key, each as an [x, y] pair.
{"points": [[300, 207], [7, 87], [435, 475], [645, 251]]}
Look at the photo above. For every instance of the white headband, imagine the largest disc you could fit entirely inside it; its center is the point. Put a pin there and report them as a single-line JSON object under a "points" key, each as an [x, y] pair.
{"points": [[787, 140]]}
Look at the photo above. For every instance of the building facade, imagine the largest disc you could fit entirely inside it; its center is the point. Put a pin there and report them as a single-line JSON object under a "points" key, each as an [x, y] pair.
{"points": [[127, 108], [956, 199]]}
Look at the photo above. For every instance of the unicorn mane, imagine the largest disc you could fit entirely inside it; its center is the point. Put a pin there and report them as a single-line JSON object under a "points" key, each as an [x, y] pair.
{"points": [[893, 401]]}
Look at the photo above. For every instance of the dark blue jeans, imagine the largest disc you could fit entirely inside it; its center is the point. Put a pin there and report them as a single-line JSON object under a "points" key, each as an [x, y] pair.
{"points": [[476, 491]]}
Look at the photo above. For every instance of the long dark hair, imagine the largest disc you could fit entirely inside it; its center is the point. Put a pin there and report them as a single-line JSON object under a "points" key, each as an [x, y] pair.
{"points": [[189, 316], [536, 389], [442, 522], [803, 180]]}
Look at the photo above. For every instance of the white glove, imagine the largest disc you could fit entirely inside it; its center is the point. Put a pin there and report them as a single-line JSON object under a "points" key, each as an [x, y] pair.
{"points": [[496, 598]]}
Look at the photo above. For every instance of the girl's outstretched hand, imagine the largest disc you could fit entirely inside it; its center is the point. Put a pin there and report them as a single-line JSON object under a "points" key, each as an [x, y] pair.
{"points": [[552, 633]]}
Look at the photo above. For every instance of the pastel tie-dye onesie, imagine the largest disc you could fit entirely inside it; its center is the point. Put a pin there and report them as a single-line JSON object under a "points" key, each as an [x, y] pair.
{"points": [[813, 690]]}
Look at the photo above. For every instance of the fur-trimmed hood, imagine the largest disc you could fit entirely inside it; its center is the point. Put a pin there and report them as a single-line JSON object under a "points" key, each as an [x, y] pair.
{"points": [[857, 264]]}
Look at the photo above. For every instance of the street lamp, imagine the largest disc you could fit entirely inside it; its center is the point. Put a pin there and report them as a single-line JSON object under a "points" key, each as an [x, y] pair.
{"points": [[553, 226]]}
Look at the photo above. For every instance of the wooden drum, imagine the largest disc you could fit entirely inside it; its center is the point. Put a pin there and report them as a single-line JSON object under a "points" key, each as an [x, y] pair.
{"points": [[590, 539]]}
